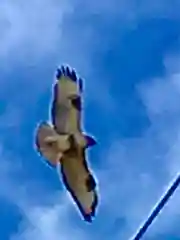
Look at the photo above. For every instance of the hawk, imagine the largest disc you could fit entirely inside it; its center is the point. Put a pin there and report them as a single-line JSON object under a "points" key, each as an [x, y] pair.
{"points": [[64, 144]]}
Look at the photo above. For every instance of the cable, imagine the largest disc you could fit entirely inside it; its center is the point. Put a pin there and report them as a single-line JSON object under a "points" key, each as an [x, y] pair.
{"points": [[156, 210]]}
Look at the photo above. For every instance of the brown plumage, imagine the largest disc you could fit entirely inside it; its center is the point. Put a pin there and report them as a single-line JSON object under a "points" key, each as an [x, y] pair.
{"points": [[64, 144]]}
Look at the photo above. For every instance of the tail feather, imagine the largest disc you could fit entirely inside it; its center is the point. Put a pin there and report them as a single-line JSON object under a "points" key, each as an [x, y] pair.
{"points": [[49, 144]]}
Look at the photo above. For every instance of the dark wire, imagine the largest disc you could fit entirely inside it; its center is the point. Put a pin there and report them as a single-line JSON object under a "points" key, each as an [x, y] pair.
{"points": [[156, 210]]}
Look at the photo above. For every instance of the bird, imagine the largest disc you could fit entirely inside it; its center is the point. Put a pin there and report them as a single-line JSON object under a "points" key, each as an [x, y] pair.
{"points": [[63, 143]]}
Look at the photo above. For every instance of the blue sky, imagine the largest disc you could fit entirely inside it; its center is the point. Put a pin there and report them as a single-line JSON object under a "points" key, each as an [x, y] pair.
{"points": [[128, 53]]}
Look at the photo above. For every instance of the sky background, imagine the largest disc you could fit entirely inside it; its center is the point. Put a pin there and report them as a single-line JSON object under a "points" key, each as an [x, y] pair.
{"points": [[128, 53]]}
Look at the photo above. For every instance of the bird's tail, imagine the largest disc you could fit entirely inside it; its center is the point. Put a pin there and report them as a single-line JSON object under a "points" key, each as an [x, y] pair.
{"points": [[50, 144]]}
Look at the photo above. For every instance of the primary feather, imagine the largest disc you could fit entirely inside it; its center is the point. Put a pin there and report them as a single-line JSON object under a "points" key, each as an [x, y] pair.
{"points": [[79, 182], [66, 103]]}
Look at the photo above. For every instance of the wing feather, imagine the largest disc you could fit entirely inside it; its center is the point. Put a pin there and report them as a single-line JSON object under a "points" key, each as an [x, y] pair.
{"points": [[66, 104], [80, 183]]}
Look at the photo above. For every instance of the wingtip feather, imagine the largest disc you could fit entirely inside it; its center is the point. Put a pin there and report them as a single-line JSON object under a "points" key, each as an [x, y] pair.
{"points": [[70, 73], [73, 75], [58, 73], [65, 71]]}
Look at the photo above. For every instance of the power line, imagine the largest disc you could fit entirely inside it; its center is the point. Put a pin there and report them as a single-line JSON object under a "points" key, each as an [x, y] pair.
{"points": [[156, 210]]}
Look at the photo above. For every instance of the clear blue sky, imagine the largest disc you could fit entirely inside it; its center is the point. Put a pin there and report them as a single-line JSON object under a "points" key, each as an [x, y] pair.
{"points": [[127, 52]]}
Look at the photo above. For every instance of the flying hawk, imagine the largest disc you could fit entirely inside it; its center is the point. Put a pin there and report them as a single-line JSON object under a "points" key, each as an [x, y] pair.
{"points": [[64, 144]]}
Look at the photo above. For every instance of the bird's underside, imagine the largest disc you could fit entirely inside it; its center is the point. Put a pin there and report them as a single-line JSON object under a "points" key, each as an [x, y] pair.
{"points": [[64, 142]]}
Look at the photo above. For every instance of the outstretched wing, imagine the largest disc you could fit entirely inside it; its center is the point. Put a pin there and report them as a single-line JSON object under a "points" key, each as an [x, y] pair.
{"points": [[66, 104], [80, 182]]}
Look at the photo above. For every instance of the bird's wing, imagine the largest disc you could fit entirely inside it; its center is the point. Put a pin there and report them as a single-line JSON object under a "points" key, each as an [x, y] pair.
{"points": [[66, 102], [80, 182]]}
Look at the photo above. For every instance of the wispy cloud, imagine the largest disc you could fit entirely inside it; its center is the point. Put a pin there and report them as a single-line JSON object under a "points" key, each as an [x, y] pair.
{"points": [[47, 223], [38, 30], [137, 171], [131, 11], [30, 30], [40, 220], [44, 215], [134, 171]]}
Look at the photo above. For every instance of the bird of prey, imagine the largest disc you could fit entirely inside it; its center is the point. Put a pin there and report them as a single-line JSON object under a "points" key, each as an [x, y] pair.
{"points": [[64, 144]]}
